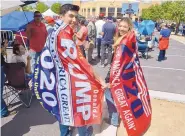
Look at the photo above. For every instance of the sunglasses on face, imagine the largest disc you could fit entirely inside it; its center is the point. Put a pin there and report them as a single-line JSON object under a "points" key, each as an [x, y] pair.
{"points": [[38, 16]]}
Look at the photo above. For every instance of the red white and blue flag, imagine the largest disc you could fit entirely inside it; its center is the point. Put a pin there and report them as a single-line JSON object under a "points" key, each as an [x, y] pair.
{"points": [[64, 82], [129, 88]]}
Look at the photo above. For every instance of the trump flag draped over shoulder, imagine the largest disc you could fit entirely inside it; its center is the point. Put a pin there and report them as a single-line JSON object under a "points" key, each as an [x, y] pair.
{"points": [[64, 82], [129, 88]]}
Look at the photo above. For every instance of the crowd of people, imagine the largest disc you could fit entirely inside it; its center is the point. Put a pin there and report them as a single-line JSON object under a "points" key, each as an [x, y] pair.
{"points": [[104, 34]]}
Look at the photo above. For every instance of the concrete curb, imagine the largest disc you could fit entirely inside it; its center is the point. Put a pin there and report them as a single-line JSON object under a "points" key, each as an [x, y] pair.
{"points": [[178, 38], [167, 96]]}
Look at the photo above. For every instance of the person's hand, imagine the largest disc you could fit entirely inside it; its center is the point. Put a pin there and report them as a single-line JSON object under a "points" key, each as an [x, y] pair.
{"points": [[108, 85], [103, 84], [28, 58], [5, 43], [30, 84]]}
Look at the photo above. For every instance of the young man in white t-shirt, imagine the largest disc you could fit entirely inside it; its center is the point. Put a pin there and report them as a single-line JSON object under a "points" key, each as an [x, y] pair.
{"points": [[99, 25]]}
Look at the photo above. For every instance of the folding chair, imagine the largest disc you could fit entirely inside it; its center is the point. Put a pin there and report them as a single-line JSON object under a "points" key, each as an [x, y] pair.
{"points": [[16, 85]]}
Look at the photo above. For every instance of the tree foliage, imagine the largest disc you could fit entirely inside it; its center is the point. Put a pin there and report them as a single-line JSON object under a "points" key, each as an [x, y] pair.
{"points": [[40, 6], [174, 11], [56, 8]]}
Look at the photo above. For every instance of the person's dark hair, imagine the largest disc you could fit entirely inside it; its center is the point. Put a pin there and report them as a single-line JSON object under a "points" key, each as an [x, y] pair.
{"points": [[82, 22], [15, 48], [67, 7], [136, 19], [114, 19], [140, 19], [36, 12], [101, 17]]}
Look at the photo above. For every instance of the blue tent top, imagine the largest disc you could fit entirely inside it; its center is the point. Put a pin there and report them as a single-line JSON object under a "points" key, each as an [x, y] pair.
{"points": [[16, 20]]}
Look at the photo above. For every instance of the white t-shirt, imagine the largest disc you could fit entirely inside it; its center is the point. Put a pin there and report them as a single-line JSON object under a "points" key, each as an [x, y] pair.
{"points": [[16, 59], [99, 26]]}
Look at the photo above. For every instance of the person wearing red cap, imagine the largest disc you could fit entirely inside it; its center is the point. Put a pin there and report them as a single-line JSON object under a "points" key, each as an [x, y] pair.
{"points": [[36, 33], [49, 23]]}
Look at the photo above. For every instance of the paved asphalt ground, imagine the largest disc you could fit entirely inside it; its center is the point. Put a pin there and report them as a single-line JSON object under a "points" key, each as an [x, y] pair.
{"points": [[166, 76]]}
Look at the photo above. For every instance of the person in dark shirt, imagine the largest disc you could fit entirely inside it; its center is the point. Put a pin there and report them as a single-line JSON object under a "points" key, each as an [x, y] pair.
{"points": [[163, 41], [183, 32], [4, 109], [129, 10], [108, 33]]}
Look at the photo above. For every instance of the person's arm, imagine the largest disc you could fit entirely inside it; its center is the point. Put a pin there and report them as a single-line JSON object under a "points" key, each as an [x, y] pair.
{"points": [[161, 33], [89, 30], [79, 35], [28, 66], [103, 30], [28, 31]]}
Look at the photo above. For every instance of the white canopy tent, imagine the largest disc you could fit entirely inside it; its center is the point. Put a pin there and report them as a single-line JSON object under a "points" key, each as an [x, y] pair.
{"points": [[9, 6], [50, 13]]}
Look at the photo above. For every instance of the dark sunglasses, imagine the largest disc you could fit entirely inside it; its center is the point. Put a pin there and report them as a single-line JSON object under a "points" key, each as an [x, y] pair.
{"points": [[38, 16]]}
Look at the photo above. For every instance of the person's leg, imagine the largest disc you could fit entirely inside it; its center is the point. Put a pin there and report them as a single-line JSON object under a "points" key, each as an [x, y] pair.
{"points": [[82, 50], [98, 47], [90, 52], [164, 53], [113, 114], [103, 54], [4, 109], [64, 130], [85, 131], [109, 54], [160, 57]]}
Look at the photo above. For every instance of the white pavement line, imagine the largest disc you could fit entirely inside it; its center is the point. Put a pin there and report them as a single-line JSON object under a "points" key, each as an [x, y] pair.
{"points": [[167, 96], [174, 69]]}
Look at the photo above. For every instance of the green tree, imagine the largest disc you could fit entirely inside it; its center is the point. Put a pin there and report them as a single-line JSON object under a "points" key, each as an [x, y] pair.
{"points": [[27, 8], [56, 8], [176, 13], [41, 7], [152, 13], [173, 11]]}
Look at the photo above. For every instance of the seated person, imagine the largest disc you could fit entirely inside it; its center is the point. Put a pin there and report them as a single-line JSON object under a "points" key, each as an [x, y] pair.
{"points": [[19, 51]]}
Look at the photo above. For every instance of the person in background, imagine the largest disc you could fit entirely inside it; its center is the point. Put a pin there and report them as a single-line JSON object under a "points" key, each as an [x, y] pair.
{"points": [[81, 36], [108, 33], [129, 10], [99, 26], [163, 41], [4, 109], [50, 23], [68, 15], [183, 32], [91, 37], [180, 29], [36, 34], [19, 52], [136, 23]]}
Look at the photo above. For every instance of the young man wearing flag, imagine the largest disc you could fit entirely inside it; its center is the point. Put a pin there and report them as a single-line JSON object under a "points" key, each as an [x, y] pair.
{"points": [[64, 82]]}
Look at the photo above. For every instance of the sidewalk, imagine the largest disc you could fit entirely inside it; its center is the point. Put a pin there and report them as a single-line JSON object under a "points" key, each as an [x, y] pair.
{"points": [[168, 119], [178, 38]]}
